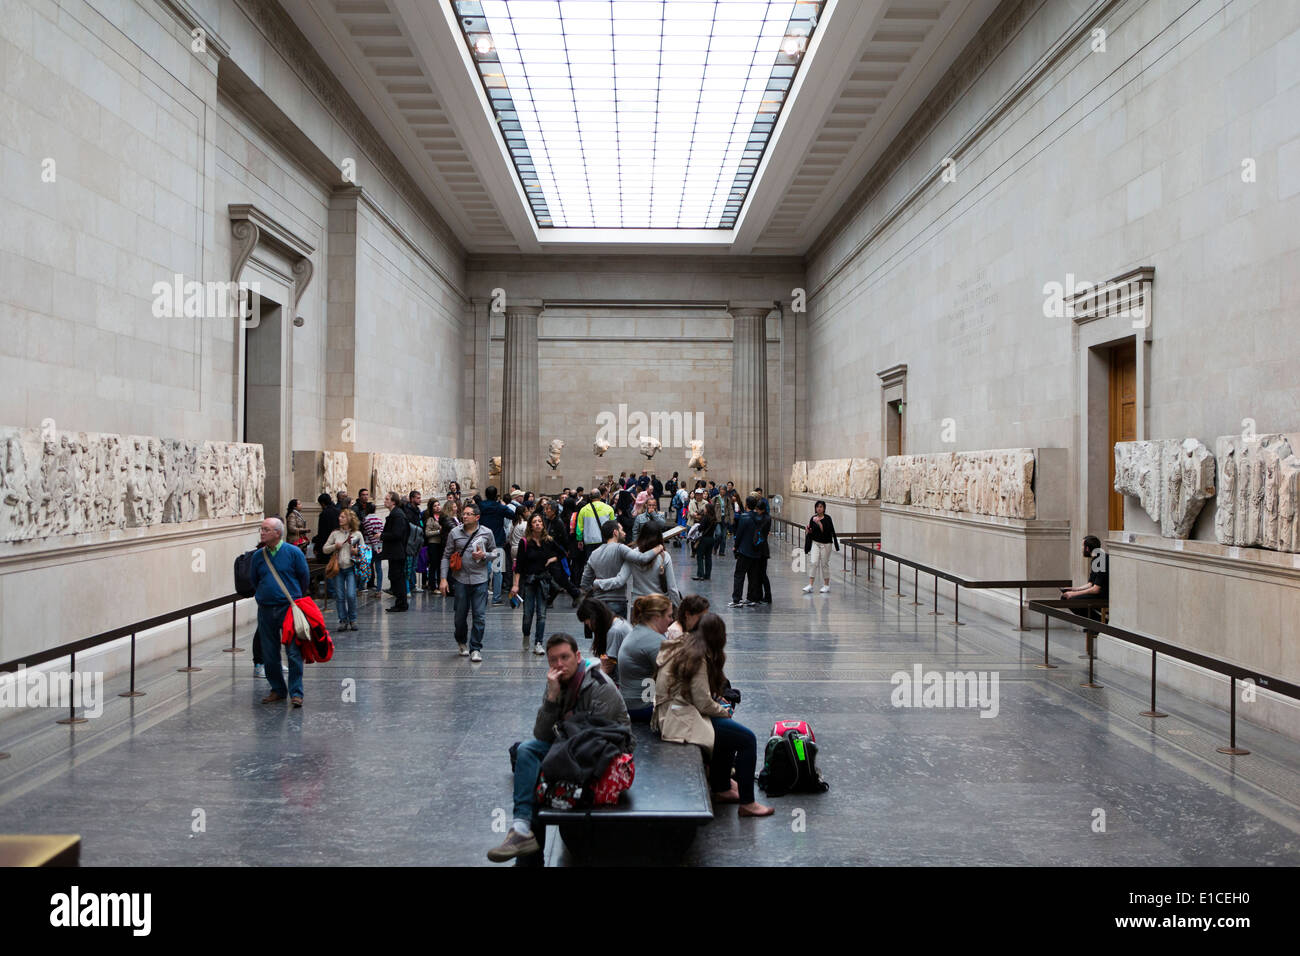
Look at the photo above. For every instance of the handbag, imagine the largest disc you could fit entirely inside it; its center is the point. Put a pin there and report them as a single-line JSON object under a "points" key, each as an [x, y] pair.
{"points": [[332, 568], [301, 629], [457, 561], [663, 576]]}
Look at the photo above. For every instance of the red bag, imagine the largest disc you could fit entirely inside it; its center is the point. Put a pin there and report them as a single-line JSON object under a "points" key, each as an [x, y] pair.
{"points": [[321, 646], [618, 777], [783, 727]]}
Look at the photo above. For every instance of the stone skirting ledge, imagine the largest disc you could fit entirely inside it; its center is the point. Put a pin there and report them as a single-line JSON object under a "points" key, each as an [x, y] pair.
{"points": [[1016, 527], [1281, 566]]}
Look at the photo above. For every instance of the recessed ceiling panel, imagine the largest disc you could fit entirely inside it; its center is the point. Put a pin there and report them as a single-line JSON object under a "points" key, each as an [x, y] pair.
{"points": [[637, 114]]}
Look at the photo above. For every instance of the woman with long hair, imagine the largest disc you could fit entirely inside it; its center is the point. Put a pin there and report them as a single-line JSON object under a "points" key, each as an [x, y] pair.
{"points": [[654, 578], [433, 544], [295, 526], [347, 541], [533, 553], [689, 612], [605, 630], [689, 709]]}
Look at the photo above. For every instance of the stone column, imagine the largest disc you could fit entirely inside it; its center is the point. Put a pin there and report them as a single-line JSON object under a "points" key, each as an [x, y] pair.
{"points": [[521, 461], [749, 445]]}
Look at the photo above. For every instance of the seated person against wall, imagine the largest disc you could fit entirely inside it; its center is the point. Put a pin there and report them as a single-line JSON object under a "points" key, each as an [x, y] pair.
{"points": [[689, 613], [638, 652], [605, 630], [608, 561], [689, 709], [574, 692], [1098, 585]]}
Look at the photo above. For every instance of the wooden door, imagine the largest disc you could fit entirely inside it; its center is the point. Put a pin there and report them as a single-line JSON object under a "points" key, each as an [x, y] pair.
{"points": [[1123, 418]]}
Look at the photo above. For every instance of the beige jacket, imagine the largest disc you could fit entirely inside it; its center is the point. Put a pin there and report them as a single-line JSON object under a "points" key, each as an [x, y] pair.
{"points": [[342, 542], [683, 716]]}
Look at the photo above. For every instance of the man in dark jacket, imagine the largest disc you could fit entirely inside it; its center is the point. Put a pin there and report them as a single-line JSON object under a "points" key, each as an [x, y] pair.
{"points": [[394, 548], [748, 552], [656, 489], [576, 694], [494, 515], [328, 524], [272, 606]]}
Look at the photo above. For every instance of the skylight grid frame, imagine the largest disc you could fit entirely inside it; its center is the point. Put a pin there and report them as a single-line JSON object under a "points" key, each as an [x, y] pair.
{"points": [[593, 122]]}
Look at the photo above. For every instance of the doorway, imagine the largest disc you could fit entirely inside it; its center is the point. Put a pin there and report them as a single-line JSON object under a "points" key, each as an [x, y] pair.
{"points": [[264, 395], [1123, 402], [894, 427]]}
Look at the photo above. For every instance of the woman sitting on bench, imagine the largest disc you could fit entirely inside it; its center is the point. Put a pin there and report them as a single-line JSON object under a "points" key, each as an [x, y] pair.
{"points": [[605, 630], [689, 613], [638, 654], [688, 709]]}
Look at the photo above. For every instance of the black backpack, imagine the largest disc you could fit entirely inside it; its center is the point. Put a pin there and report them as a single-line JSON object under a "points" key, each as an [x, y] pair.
{"points": [[244, 586], [790, 766]]}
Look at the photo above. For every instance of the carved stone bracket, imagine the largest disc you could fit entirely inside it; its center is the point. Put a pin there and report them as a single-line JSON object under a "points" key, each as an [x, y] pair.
{"points": [[252, 227]]}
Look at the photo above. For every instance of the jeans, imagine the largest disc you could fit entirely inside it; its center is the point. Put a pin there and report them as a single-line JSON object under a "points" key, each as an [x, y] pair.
{"points": [[528, 766], [733, 745], [434, 574], [410, 576], [270, 620], [397, 574], [378, 566], [746, 568], [535, 603], [641, 715], [704, 557], [764, 585], [471, 597], [345, 589], [721, 539]]}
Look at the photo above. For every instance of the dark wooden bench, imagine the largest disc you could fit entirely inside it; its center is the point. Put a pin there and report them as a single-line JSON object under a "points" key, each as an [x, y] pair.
{"points": [[658, 815]]}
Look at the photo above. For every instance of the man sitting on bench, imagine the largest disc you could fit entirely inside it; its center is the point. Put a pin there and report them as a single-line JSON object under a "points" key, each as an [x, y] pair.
{"points": [[574, 691]]}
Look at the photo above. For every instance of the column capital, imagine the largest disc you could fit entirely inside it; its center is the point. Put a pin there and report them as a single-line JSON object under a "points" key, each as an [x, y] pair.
{"points": [[750, 309], [524, 307]]}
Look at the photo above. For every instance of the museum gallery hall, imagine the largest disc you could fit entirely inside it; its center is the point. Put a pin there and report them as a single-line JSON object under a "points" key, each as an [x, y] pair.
{"points": [[747, 433]]}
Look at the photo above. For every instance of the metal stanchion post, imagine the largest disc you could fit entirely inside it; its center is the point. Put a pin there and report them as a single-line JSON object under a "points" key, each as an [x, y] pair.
{"points": [[1090, 683], [916, 591], [935, 612], [189, 647], [234, 626], [956, 604], [1153, 712], [132, 692], [1047, 626], [1232, 750], [72, 717]]}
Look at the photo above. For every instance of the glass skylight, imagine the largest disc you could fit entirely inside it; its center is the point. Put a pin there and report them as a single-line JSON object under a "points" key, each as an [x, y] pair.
{"points": [[636, 114]]}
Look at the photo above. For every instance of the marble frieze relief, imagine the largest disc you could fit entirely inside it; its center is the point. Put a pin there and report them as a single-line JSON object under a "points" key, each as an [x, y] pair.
{"points": [[55, 483]]}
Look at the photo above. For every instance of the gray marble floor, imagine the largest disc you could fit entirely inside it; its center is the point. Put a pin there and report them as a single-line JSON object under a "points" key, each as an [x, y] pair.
{"points": [[414, 770]]}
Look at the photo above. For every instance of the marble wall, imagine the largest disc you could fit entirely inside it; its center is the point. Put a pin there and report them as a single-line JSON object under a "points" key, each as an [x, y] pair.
{"points": [[66, 483], [1171, 479], [998, 483]]}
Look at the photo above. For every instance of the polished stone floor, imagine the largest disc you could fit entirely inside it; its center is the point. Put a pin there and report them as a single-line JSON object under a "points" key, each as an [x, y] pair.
{"points": [[414, 770]]}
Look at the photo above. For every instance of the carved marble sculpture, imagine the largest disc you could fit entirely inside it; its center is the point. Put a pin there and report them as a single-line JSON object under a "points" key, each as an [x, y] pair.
{"points": [[997, 483], [402, 474], [84, 482], [1170, 478], [799, 477], [334, 472], [1259, 493], [494, 466], [697, 456], [599, 447], [648, 445], [553, 458]]}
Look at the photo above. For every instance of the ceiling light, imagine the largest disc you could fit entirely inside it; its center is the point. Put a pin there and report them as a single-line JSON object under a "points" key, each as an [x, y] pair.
{"points": [[483, 46], [793, 46]]}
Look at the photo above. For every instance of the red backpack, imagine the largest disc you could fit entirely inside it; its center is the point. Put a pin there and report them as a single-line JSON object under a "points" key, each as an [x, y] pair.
{"points": [[783, 727]]}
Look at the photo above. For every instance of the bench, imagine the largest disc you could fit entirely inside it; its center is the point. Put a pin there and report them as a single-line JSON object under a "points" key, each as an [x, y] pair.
{"points": [[668, 801]]}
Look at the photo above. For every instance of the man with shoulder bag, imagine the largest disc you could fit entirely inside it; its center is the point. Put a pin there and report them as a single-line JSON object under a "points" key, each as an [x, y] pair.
{"points": [[466, 559], [280, 577]]}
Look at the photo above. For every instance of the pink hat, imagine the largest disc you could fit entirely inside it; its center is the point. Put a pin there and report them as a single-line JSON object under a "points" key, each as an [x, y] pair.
{"points": [[643, 497]]}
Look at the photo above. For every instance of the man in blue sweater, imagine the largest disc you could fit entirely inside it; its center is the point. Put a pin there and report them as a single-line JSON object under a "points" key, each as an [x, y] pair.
{"points": [[272, 606]]}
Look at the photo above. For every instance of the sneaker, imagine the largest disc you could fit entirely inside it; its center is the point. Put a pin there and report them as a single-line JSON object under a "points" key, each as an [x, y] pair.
{"points": [[807, 589], [516, 844], [825, 589], [538, 649], [735, 604], [259, 670], [475, 657], [463, 650]]}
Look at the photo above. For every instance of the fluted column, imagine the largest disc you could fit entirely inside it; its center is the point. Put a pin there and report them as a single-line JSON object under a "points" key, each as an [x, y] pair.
{"points": [[748, 398], [521, 461]]}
